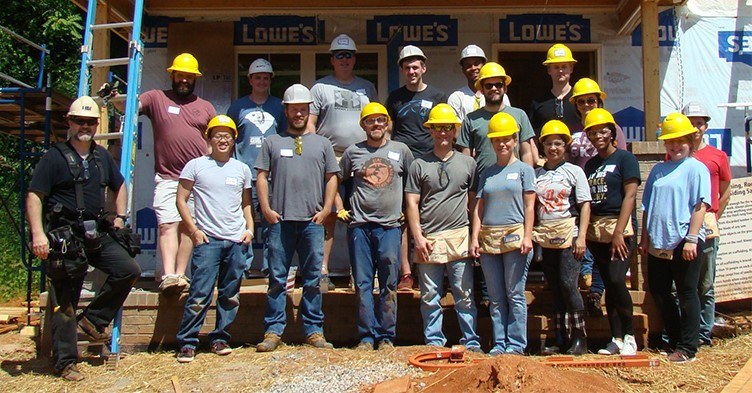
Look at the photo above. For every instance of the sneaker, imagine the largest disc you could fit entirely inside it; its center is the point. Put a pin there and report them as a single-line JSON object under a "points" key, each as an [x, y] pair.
{"points": [[630, 346], [221, 348], [586, 281], [405, 283], [186, 354], [386, 345], [364, 346], [679, 357], [317, 340], [270, 343], [612, 348], [593, 304], [94, 333], [71, 373], [169, 285], [184, 283]]}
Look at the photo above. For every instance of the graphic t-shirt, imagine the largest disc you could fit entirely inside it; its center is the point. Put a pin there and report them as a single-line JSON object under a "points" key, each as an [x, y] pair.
{"points": [[255, 122], [559, 190], [606, 178]]}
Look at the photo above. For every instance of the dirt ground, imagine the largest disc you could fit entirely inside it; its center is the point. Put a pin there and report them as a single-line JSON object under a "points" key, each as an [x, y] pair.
{"points": [[303, 369]]}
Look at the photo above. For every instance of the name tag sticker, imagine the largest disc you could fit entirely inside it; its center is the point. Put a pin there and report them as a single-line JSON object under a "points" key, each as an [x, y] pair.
{"points": [[173, 110], [231, 181], [285, 152], [361, 91], [393, 155], [426, 104], [610, 168], [256, 140], [513, 176]]}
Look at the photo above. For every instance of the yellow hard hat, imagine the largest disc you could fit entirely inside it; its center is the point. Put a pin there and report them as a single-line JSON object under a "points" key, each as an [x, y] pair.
{"points": [[676, 125], [374, 108], [586, 86], [185, 62], [442, 114], [598, 116], [555, 127], [492, 70], [502, 124], [559, 53], [221, 121], [84, 106]]}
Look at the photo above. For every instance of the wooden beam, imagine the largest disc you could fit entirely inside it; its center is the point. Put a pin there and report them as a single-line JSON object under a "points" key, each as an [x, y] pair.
{"points": [[651, 81]]}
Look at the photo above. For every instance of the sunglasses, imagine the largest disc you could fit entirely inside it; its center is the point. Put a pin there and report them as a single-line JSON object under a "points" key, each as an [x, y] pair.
{"points": [[343, 55], [89, 121], [589, 101], [299, 145], [489, 86], [375, 120], [443, 175], [443, 127], [559, 109]]}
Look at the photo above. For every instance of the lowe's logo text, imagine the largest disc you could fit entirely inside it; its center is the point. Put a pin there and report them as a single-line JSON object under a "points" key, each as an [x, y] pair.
{"points": [[735, 46], [277, 30], [666, 30], [544, 28], [426, 30]]}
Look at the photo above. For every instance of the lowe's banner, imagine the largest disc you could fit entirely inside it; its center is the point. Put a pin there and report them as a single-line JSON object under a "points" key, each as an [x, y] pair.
{"points": [[735, 46], [279, 30], [667, 25], [421, 30], [544, 28], [155, 30]]}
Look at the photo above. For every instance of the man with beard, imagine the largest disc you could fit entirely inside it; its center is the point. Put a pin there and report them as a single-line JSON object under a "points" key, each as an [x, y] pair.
{"points": [[378, 168], [303, 179], [493, 82], [70, 206], [467, 98], [179, 119], [337, 101]]}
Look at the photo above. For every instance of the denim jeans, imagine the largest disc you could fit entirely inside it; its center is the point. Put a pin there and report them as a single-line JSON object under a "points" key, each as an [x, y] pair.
{"points": [[681, 321], [122, 272], [375, 248], [460, 274], [260, 233], [590, 267], [307, 239], [506, 275], [221, 262], [707, 290]]}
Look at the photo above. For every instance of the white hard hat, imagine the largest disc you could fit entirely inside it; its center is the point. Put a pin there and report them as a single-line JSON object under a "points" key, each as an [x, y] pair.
{"points": [[472, 51], [343, 42], [84, 106], [410, 51], [260, 65], [695, 109], [297, 94]]}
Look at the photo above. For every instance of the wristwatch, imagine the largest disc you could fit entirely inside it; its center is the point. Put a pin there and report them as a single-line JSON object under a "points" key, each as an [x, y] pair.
{"points": [[122, 217]]}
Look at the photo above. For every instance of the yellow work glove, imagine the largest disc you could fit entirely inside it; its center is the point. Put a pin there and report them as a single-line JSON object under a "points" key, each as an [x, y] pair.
{"points": [[344, 215]]}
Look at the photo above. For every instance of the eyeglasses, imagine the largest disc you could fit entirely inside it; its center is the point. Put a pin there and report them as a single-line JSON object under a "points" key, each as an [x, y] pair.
{"points": [[489, 86], [89, 121], [592, 133], [222, 138], [85, 175], [443, 175], [559, 109], [556, 144], [343, 55], [442, 127], [375, 120], [589, 101], [299, 145]]}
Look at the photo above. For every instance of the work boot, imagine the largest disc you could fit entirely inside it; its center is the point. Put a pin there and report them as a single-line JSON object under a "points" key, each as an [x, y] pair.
{"points": [[71, 373], [270, 343], [578, 340], [317, 340], [94, 333], [593, 304], [405, 283], [560, 330]]}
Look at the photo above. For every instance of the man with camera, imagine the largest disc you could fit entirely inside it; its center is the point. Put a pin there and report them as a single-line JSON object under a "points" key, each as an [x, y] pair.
{"points": [[69, 230]]}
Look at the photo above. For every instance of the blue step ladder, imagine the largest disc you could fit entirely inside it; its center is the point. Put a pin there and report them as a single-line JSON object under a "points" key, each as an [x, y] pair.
{"points": [[129, 131]]}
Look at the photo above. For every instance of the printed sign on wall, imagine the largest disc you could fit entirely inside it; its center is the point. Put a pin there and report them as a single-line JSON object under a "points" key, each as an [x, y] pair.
{"points": [[666, 30], [279, 30], [421, 30], [156, 29], [544, 28], [735, 46]]}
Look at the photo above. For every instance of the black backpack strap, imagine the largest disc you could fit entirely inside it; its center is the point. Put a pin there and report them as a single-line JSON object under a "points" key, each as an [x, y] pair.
{"points": [[77, 167], [99, 162]]}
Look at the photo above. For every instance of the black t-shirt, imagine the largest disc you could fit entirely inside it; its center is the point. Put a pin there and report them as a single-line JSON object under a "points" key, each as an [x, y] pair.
{"points": [[53, 179], [409, 110], [548, 107], [606, 179]]}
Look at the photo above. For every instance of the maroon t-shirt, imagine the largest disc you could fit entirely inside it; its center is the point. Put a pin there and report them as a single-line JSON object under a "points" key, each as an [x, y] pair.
{"points": [[178, 125]]}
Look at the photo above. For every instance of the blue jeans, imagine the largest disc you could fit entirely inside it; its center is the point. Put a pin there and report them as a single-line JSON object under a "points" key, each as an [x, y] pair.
{"points": [[589, 267], [707, 290], [219, 261], [460, 275], [375, 248], [260, 233], [506, 275], [307, 239]]}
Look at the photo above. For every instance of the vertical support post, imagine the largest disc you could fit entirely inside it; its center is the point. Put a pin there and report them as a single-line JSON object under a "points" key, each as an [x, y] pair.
{"points": [[651, 83]]}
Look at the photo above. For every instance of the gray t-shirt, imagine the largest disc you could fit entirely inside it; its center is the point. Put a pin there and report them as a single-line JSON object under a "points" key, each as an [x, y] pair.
{"points": [[474, 131], [443, 187], [297, 181], [559, 190], [338, 107], [218, 192], [501, 189], [378, 178]]}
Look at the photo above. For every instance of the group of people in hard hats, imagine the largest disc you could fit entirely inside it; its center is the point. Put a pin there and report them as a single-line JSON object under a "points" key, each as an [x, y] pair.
{"points": [[474, 186]]}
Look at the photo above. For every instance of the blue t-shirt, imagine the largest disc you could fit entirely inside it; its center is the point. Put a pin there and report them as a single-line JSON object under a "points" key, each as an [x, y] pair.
{"points": [[255, 123], [671, 192], [502, 189]]}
